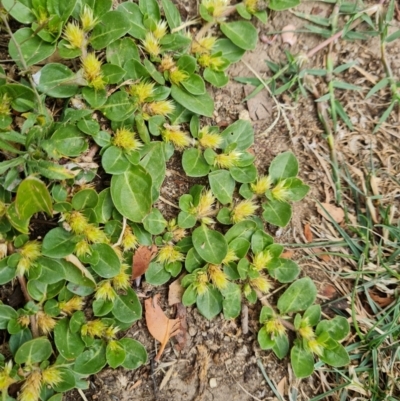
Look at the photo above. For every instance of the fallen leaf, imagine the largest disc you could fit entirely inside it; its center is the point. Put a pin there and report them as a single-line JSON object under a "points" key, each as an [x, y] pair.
{"points": [[308, 233], [142, 259], [175, 292], [321, 255], [159, 326], [381, 301], [287, 254], [328, 291], [288, 34], [333, 211], [181, 336], [281, 387]]}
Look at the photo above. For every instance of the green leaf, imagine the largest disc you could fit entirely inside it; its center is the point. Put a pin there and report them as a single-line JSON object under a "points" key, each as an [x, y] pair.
{"points": [[193, 261], [7, 164], [95, 98], [279, 5], [242, 33], [313, 315], [211, 245], [89, 127], [127, 307], [16, 340], [52, 271], [122, 50], [136, 354], [150, 7], [244, 229], [302, 362], [195, 85], [108, 264], [337, 328], [281, 346], [241, 133], [7, 273], [104, 207], [336, 355], [33, 351], [285, 165], [153, 160], [244, 175], [102, 307], [114, 161], [118, 106], [131, 193], [69, 141], [156, 274], [283, 270], [229, 50], [19, 10], [171, 14], [32, 197], [69, 345], [91, 361], [194, 163], [6, 314], [202, 104], [58, 243], [32, 47], [112, 73], [260, 240], [299, 296], [222, 185], [115, 354], [85, 199], [216, 78], [277, 212], [110, 27], [296, 189], [209, 304], [68, 383], [154, 222], [232, 302], [264, 339], [57, 80]]}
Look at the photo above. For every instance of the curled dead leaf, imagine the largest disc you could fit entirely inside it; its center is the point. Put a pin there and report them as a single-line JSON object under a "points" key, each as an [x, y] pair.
{"points": [[326, 210], [288, 34], [175, 292], [142, 259], [381, 301], [159, 326], [308, 233]]}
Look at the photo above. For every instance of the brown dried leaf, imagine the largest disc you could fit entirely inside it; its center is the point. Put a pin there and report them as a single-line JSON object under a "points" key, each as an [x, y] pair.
{"points": [[159, 326], [288, 34], [335, 212], [287, 254], [175, 292], [142, 259], [328, 291], [308, 233], [381, 301]]}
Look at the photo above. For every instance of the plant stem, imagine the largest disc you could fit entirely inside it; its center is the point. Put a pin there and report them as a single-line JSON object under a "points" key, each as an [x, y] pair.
{"points": [[186, 24], [28, 298], [22, 60]]}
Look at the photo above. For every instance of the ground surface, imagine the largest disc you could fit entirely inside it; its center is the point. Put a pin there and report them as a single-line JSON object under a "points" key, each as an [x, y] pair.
{"points": [[219, 362]]}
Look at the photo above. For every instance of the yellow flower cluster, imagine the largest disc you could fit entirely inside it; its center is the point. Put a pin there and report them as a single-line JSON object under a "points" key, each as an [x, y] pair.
{"points": [[261, 186], [178, 138], [29, 253], [208, 139], [125, 139], [169, 254], [243, 210]]}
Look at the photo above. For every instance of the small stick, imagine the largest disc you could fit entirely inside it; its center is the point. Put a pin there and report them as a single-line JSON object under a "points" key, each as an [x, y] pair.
{"points": [[82, 394], [245, 319], [168, 202]]}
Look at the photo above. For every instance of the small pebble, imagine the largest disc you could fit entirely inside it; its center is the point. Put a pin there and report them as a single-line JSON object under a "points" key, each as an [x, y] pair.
{"points": [[227, 339], [192, 331], [213, 382]]}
